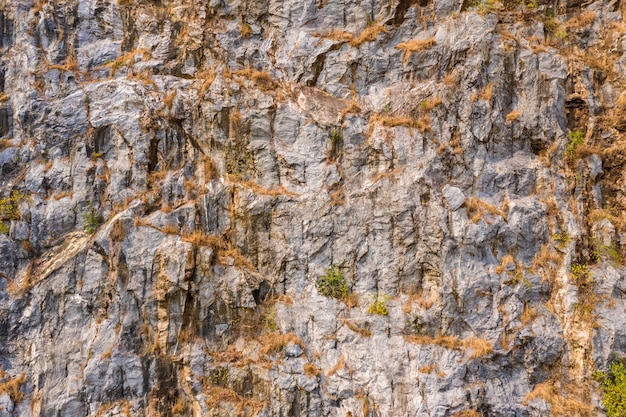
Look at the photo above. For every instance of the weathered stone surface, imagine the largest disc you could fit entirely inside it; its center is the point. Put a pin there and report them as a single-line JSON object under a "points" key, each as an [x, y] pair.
{"points": [[189, 170]]}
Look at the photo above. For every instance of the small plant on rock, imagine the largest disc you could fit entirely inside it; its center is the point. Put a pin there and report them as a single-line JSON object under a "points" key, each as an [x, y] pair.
{"points": [[91, 221], [336, 143], [332, 283], [614, 385], [378, 307], [575, 140], [582, 274], [9, 209], [561, 238]]}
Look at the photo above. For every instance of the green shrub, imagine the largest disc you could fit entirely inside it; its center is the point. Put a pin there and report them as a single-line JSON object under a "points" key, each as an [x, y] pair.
{"points": [[575, 140], [415, 324], [4, 228], [600, 250], [9, 209], [485, 6], [582, 274], [552, 26], [91, 221], [336, 142], [378, 307], [332, 283], [561, 238], [269, 320], [614, 385]]}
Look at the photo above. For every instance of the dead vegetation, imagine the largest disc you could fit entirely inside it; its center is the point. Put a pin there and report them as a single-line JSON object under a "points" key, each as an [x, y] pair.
{"points": [[363, 331], [581, 20], [478, 347], [476, 209], [415, 45], [5, 143], [505, 263], [207, 77], [126, 60], [341, 364], [528, 315], [262, 79], [257, 189], [12, 386], [224, 249], [275, 342], [513, 115], [548, 261], [216, 396], [422, 123], [369, 34], [565, 398], [467, 413], [311, 370]]}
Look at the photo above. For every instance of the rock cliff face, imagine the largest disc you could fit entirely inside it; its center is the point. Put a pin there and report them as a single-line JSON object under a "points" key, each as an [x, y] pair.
{"points": [[183, 182]]}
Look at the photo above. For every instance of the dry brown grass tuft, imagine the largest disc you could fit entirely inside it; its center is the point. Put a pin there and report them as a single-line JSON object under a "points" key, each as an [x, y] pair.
{"points": [[262, 79], [62, 194], [414, 46], [257, 189], [336, 35], [144, 77], [210, 169], [368, 35], [514, 115], [448, 342], [216, 395], [581, 20], [337, 197], [207, 78], [449, 79], [353, 108], [423, 302], [565, 399], [528, 314], [170, 230], [222, 247], [505, 263], [311, 370], [245, 30], [4, 97], [276, 342], [431, 103], [6, 143], [71, 64], [505, 341], [341, 363], [476, 209], [548, 260], [168, 100], [352, 300], [467, 413], [479, 347], [428, 369], [12, 387], [357, 329], [392, 121], [127, 60], [422, 124], [180, 407], [487, 93]]}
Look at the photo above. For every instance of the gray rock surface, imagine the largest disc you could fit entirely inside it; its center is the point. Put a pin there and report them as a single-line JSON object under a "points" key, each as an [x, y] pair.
{"points": [[176, 177]]}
